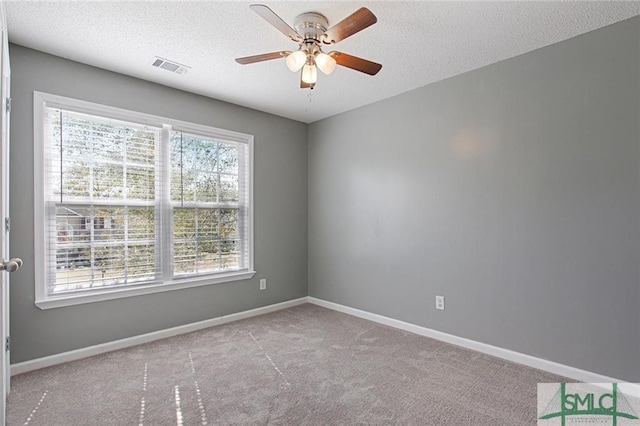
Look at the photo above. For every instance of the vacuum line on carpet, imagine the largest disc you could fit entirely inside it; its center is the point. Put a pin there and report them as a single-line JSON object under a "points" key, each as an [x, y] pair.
{"points": [[144, 392], [203, 414], [178, 410], [270, 360], [193, 368], [36, 409]]}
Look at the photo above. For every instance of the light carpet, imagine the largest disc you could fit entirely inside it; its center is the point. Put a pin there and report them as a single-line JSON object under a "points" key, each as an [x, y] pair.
{"points": [[305, 365]]}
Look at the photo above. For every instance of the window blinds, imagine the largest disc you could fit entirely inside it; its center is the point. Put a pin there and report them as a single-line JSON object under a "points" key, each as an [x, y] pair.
{"points": [[101, 201], [209, 204], [124, 207]]}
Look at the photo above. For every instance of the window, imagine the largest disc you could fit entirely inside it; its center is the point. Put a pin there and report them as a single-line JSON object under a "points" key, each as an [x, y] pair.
{"points": [[129, 203]]}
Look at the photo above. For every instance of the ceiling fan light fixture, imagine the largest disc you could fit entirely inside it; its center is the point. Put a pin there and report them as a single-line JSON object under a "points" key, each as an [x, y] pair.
{"points": [[296, 60], [325, 62], [309, 74]]}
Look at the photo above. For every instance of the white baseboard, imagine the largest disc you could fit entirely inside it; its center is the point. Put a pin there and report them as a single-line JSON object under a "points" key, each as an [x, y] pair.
{"points": [[35, 364], [509, 355]]}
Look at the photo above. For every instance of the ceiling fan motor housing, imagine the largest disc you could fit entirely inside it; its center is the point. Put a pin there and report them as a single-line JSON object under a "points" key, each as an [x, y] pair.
{"points": [[311, 25]]}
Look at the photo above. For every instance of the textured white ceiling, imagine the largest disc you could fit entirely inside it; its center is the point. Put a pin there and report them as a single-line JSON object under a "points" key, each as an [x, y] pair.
{"points": [[418, 42]]}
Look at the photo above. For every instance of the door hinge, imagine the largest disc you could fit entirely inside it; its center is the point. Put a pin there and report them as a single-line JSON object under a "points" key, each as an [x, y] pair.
{"points": [[7, 224], [7, 344], [8, 105]]}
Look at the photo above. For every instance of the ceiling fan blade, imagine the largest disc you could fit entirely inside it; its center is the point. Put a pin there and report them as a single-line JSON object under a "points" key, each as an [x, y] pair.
{"points": [[271, 17], [356, 63], [264, 57], [358, 21]]}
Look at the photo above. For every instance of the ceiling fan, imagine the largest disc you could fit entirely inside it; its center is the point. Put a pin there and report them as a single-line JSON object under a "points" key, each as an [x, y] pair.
{"points": [[311, 33]]}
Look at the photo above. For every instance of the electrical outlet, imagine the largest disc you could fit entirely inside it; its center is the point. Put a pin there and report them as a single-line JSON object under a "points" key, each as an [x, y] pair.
{"points": [[263, 284], [440, 303]]}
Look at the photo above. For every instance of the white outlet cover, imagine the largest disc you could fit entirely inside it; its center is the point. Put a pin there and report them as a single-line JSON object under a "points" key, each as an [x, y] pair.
{"points": [[440, 303]]}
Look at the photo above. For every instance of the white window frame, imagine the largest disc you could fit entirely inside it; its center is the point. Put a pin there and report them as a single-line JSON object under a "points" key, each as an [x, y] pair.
{"points": [[42, 300]]}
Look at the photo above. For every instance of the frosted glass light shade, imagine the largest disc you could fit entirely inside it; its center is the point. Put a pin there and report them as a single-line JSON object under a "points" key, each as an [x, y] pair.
{"points": [[309, 74], [296, 60], [325, 62]]}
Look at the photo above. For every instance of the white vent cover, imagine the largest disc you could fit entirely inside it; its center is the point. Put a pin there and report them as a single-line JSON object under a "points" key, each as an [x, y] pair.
{"points": [[168, 65]]}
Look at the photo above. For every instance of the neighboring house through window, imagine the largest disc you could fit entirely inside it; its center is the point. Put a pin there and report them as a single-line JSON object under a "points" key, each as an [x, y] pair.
{"points": [[129, 203]]}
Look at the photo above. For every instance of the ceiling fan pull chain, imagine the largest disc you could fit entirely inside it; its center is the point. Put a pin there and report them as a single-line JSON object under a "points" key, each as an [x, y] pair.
{"points": [[308, 97]]}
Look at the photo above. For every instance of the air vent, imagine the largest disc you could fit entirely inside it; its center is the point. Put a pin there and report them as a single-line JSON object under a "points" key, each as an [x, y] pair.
{"points": [[168, 65]]}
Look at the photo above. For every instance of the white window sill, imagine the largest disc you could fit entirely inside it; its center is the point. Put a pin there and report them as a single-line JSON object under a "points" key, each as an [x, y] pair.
{"points": [[119, 293]]}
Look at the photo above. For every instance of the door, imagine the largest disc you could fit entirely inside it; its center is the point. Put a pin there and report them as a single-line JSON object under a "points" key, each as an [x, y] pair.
{"points": [[14, 264]]}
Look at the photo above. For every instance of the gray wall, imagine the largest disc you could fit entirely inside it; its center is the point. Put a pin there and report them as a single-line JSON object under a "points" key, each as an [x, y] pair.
{"points": [[512, 190], [280, 210]]}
